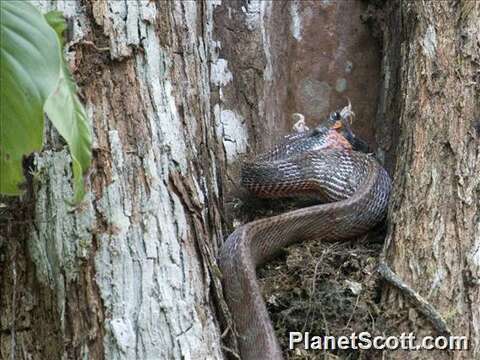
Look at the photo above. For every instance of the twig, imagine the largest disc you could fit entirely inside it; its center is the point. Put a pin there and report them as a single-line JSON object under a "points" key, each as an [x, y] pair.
{"points": [[92, 44]]}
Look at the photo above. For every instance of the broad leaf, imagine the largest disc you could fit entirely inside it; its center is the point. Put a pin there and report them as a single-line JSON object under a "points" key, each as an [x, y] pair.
{"points": [[34, 79], [29, 71], [67, 114]]}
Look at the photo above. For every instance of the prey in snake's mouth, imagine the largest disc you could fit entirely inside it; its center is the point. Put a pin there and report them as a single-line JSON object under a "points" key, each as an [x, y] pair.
{"points": [[275, 173], [334, 132]]}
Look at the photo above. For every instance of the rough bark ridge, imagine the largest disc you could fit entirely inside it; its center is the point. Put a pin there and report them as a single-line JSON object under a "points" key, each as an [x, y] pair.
{"points": [[431, 88], [125, 276]]}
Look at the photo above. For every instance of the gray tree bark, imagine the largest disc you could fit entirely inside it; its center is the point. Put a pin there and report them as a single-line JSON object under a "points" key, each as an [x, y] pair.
{"points": [[431, 97], [125, 275]]}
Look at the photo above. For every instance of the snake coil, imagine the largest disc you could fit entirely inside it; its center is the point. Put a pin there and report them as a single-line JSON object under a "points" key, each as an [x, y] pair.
{"points": [[323, 162]]}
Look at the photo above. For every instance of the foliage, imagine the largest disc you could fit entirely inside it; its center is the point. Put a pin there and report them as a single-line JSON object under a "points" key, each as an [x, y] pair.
{"points": [[35, 80]]}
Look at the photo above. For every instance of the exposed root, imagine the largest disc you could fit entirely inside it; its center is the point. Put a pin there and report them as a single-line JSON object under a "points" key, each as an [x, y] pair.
{"points": [[420, 304]]}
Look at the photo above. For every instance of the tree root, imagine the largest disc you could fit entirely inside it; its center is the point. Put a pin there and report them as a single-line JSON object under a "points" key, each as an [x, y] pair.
{"points": [[420, 304]]}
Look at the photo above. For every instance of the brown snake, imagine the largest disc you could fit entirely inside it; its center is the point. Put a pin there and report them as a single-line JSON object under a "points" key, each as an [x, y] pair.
{"points": [[323, 162]]}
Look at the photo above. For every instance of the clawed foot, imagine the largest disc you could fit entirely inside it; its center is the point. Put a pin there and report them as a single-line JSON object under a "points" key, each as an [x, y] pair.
{"points": [[299, 125]]}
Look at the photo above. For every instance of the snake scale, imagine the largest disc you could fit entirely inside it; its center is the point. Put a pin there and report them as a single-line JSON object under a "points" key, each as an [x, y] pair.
{"points": [[324, 162]]}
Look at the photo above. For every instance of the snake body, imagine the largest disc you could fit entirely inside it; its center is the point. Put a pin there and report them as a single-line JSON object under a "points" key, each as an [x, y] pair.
{"points": [[353, 189]]}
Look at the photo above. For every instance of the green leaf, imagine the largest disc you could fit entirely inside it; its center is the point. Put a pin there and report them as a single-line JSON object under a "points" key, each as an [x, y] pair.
{"points": [[35, 78], [68, 116], [29, 71], [57, 21]]}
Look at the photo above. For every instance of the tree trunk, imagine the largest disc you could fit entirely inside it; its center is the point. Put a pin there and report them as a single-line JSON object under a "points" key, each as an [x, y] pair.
{"points": [[177, 92], [126, 275], [431, 98]]}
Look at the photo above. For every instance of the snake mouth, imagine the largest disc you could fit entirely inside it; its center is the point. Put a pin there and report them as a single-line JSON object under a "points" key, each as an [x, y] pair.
{"points": [[344, 119]]}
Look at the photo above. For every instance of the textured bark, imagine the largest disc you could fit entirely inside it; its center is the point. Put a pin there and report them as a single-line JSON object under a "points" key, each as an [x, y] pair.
{"points": [[124, 275], [431, 96]]}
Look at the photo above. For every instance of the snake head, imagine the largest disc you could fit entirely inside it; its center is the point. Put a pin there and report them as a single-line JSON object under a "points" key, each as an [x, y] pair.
{"points": [[337, 127]]}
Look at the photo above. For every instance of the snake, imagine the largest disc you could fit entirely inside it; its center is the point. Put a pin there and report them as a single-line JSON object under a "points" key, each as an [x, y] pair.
{"points": [[328, 163]]}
